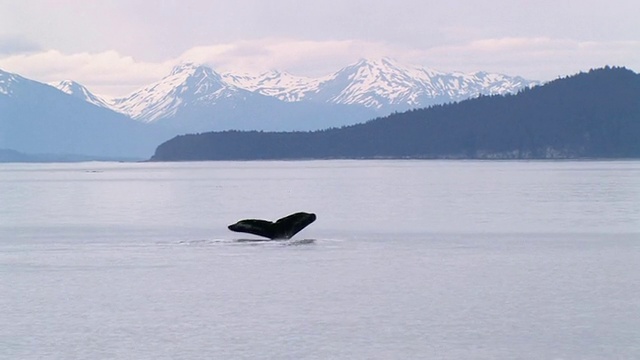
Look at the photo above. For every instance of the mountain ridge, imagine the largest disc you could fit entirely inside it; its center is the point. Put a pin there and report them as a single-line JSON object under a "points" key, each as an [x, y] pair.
{"points": [[587, 115], [383, 86], [67, 118]]}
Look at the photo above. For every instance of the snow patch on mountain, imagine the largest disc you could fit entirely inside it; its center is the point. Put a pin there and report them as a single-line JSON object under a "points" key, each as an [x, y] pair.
{"points": [[7, 82], [81, 92], [280, 85]]}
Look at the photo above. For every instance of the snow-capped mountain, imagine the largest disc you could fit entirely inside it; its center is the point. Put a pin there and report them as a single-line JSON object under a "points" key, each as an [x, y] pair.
{"points": [[79, 91], [195, 98], [187, 85], [384, 85]]}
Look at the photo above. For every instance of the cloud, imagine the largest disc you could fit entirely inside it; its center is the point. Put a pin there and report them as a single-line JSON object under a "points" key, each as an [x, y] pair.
{"points": [[110, 73], [107, 73], [301, 57], [539, 58], [15, 44]]}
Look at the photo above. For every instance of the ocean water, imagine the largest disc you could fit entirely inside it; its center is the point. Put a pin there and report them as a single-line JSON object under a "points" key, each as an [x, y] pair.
{"points": [[407, 260]]}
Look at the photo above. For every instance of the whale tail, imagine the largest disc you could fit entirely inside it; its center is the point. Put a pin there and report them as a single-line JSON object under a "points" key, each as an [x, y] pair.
{"points": [[283, 228]]}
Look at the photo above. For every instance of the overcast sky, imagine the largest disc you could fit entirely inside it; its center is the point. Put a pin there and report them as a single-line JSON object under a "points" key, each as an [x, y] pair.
{"points": [[115, 46]]}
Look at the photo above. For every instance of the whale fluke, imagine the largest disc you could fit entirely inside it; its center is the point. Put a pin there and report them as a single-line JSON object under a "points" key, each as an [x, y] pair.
{"points": [[283, 228]]}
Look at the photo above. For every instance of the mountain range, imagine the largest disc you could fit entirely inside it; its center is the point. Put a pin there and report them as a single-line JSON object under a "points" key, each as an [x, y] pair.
{"points": [[66, 117], [382, 86], [588, 115]]}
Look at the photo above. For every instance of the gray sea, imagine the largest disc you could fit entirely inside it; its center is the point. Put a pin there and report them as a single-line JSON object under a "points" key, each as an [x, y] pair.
{"points": [[407, 260]]}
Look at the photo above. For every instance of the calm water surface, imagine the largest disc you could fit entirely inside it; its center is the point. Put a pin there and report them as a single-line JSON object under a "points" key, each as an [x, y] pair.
{"points": [[407, 260]]}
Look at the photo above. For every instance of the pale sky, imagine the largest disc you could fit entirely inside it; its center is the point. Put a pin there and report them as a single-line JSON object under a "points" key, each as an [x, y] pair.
{"points": [[116, 46]]}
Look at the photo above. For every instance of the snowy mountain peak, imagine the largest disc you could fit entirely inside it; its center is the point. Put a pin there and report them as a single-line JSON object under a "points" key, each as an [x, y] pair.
{"points": [[386, 84], [377, 84], [81, 92], [187, 67], [190, 69], [188, 83], [387, 66], [69, 86], [380, 63]]}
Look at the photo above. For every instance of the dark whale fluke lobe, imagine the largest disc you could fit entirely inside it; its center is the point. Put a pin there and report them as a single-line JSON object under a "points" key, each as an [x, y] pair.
{"points": [[283, 228]]}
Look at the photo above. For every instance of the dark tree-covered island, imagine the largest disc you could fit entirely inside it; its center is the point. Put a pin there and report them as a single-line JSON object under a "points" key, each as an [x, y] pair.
{"points": [[588, 115]]}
